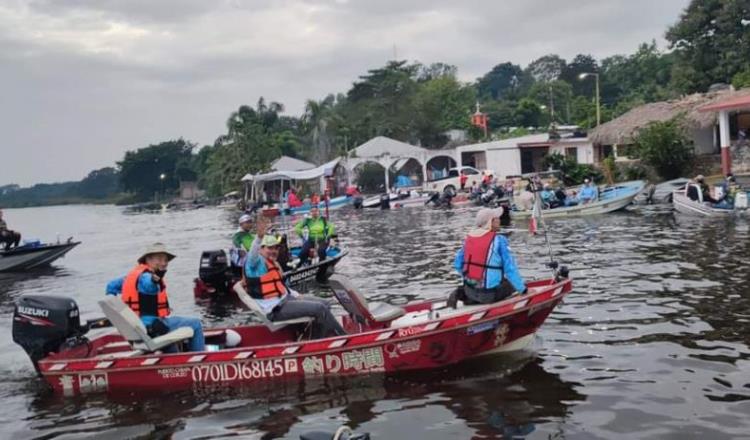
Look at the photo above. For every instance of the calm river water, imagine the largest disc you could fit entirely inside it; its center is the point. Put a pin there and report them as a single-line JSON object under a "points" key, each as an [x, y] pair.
{"points": [[652, 342]]}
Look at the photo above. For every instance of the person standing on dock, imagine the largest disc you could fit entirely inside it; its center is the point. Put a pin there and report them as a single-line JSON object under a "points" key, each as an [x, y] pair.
{"points": [[486, 263]]}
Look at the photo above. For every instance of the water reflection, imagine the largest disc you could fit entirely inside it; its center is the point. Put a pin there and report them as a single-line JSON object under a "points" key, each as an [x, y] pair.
{"points": [[521, 394], [652, 342]]}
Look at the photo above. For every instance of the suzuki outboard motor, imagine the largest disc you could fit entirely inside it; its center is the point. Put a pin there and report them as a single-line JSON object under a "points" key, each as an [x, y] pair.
{"points": [[213, 268], [43, 324]]}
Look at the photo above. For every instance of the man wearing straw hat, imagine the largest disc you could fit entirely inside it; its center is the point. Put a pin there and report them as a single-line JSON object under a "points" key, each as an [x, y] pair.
{"points": [[486, 264], [143, 289]]}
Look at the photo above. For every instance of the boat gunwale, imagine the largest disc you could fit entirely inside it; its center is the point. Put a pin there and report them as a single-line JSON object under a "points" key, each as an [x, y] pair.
{"points": [[71, 362]]}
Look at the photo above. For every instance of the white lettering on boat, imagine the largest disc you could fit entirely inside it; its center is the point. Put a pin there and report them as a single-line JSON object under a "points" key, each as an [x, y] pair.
{"points": [[360, 361], [396, 350], [247, 370], [309, 273], [31, 311], [92, 383], [173, 373]]}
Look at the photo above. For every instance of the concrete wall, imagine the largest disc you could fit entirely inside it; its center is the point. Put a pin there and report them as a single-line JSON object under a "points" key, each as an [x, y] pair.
{"points": [[504, 161]]}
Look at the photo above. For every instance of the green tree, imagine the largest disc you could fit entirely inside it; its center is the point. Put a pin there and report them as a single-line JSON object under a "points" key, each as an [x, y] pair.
{"points": [[547, 68], [316, 121], [100, 184], [571, 74], [712, 43], [555, 93], [504, 80], [665, 147], [741, 79], [441, 104], [528, 113], [249, 146], [141, 170]]}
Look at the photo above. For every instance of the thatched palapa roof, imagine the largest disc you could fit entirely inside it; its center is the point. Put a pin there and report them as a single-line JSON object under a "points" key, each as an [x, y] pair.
{"points": [[622, 130]]}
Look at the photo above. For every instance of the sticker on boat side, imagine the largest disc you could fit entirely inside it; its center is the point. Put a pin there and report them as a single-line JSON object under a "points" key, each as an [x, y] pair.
{"points": [[360, 361], [87, 383], [247, 370], [173, 373], [396, 350], [483, 327]]}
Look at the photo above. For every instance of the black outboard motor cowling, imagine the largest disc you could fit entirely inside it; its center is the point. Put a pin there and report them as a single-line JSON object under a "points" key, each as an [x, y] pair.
{"points": [[42, 324], [213, 267], [385, 201]]}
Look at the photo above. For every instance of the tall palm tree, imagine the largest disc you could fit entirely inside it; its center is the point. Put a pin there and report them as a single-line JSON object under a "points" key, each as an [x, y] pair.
{"points": [[316, 119]]}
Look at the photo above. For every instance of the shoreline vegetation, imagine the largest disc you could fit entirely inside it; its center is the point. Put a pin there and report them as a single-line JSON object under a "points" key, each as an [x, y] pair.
{"points": [[420, 103]]}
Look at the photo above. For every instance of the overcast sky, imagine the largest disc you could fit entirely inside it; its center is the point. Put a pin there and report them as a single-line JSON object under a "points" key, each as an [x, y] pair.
{"points": [[82, 81]]}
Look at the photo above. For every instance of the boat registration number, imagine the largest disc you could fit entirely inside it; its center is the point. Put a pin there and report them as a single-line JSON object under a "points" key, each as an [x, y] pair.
{"points": [[247, 370]]}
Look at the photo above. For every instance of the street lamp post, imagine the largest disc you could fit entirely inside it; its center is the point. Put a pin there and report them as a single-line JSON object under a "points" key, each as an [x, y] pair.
{"points": [[162, 176], [598, 108]]}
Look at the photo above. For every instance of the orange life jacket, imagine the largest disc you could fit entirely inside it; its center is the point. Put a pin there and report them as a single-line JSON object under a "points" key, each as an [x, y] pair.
{"points": [[477, 255], [142, 304], [269, 285]]}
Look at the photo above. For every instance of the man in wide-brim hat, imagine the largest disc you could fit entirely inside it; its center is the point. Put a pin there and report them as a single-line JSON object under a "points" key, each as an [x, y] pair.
{"points": [[486, 263], [144, 290]]}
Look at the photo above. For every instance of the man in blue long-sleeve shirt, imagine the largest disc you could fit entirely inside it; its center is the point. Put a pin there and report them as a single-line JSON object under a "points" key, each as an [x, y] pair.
{"points": [[143, 289], [485, 262]]}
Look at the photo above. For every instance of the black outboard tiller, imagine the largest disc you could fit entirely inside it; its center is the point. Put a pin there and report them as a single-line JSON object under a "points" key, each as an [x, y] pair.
{"points": [[43, 324], [385, 201], [213, 269]]}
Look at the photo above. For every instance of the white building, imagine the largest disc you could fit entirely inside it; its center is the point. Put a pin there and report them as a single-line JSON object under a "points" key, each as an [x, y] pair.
{"points": [[521, 155], [507, 157]]}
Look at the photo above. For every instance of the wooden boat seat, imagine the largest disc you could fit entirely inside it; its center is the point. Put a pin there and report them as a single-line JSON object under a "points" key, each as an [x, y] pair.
{"points": [[251, 304], [130, 326], [356, 304]]}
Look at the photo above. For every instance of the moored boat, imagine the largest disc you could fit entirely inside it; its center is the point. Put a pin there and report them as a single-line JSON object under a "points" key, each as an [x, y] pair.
{"points": [[381, 338], [30, 256], [611, 198], [216, 273]]}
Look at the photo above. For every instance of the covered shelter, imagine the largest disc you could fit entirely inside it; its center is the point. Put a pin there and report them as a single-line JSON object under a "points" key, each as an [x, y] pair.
{"points": [[616, 136], [739, 107], [396, 156], [287, 163], [253, 182]]}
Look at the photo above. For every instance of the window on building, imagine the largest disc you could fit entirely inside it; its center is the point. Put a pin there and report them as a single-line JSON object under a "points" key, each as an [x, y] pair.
{"points": [[572, 153]]}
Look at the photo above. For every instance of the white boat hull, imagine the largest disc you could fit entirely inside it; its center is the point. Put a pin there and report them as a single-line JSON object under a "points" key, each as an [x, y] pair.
{"points": [[611, 204], [23, 259], [684, 205]]}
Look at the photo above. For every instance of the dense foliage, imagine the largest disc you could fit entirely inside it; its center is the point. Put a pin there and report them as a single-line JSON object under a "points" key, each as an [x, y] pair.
{"points": [[665, 147], [99, 186]]}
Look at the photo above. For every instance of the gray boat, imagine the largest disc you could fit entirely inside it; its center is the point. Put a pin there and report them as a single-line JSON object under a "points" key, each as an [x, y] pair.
{"points": [[32, 256]]}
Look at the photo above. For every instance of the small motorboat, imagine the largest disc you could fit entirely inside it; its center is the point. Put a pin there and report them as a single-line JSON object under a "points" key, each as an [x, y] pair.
{"points": [[334, 203], [611, 198], [217, 274], [662, 192], [683, 204], [381, 338], [34, 254]]}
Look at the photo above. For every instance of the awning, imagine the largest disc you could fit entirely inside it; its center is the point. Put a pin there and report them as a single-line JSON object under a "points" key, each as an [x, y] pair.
{"points": [[737, 103], [324, 170]]}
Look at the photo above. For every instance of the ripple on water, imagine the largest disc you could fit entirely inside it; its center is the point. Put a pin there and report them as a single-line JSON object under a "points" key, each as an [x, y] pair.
{"points": [[652, 342]]}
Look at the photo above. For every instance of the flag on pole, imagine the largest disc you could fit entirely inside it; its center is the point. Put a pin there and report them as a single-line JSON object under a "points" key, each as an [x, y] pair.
{"points": [[536, 214]]}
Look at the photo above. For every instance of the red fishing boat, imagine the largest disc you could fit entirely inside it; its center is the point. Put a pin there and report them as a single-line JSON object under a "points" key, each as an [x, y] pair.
{"points": [[382, 338]]}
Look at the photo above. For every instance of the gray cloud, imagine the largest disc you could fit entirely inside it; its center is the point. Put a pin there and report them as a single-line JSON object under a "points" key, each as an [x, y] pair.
{"points": [[85, 80]]}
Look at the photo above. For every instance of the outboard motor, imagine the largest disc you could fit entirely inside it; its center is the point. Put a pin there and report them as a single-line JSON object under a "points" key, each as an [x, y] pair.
{"points": [[213, 268], [385, 201], [43, 324]]}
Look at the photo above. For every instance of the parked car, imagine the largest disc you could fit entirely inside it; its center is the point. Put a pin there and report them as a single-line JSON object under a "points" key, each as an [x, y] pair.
{"points": [[453, 181]]}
